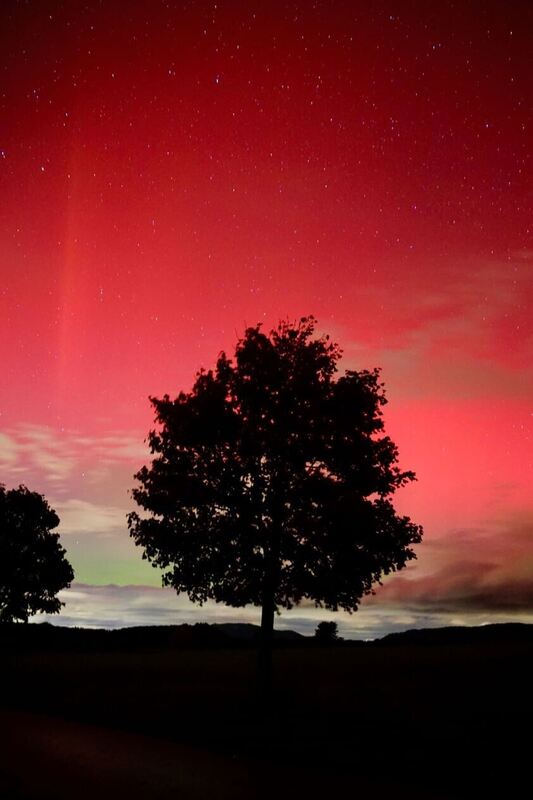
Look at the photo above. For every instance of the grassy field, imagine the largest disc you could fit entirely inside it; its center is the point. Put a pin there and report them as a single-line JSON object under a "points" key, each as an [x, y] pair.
{"points": [[416, 721]]}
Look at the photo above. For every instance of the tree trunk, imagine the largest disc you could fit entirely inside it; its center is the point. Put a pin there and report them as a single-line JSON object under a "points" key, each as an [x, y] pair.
{"points": [[264, 661], [271, 578]]}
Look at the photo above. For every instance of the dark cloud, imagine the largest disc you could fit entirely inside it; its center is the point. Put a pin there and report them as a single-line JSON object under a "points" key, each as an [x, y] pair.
{"points": [[478, 569]]}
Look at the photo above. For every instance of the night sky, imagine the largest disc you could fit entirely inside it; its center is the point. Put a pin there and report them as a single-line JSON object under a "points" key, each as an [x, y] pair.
{"points": [[172, 172]]}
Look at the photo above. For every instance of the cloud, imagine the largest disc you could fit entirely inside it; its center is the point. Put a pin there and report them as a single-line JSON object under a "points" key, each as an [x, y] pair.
{"points": [[54, 458], [113, 448], [80, 516], [8, 452], [471, 338], [473, 570], [429, 366], [39, 450], [114, 606]]}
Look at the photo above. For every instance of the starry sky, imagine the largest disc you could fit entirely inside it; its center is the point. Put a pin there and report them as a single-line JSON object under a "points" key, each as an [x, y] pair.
{"points": [[172, 172]]}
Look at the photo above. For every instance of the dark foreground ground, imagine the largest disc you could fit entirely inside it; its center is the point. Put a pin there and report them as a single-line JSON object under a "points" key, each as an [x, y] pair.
{"points": [[401, 721]]}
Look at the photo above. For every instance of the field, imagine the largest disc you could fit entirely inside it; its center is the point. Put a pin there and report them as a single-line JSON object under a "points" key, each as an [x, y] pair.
{"points": [[413, 721]]}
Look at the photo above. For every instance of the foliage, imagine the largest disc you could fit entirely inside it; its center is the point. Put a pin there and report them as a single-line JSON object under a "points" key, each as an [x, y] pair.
{"points": [[271, 480], [33, 567]]}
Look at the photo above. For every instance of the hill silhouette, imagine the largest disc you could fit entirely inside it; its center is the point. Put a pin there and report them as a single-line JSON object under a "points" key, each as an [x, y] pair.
{"points": [[46, 636], [497, 633], [201, 635]]}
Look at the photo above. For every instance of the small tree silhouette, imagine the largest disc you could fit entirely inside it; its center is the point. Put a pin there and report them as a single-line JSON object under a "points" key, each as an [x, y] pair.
{"points": [[327, 632], [33, 567], [271, 481]]}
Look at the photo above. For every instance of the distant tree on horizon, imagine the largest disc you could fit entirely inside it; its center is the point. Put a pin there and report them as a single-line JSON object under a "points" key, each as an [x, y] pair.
{"points": [[327, 632], [271, 481], [33, 567]]}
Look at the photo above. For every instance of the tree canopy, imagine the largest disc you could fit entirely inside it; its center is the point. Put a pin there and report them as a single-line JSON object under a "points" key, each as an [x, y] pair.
{"points": [[271, 481], [33, 567]]}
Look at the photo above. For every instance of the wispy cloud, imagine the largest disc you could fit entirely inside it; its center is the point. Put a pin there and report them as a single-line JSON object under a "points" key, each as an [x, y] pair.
{"points": [[473, 337], [114, 606], [8, 452], [472, 570], [82, 517], [54, 458]]}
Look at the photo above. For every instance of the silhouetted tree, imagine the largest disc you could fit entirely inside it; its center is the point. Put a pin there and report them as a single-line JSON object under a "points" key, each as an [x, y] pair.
{"points": [[327, 632], [33, 567], [271, 481]]}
